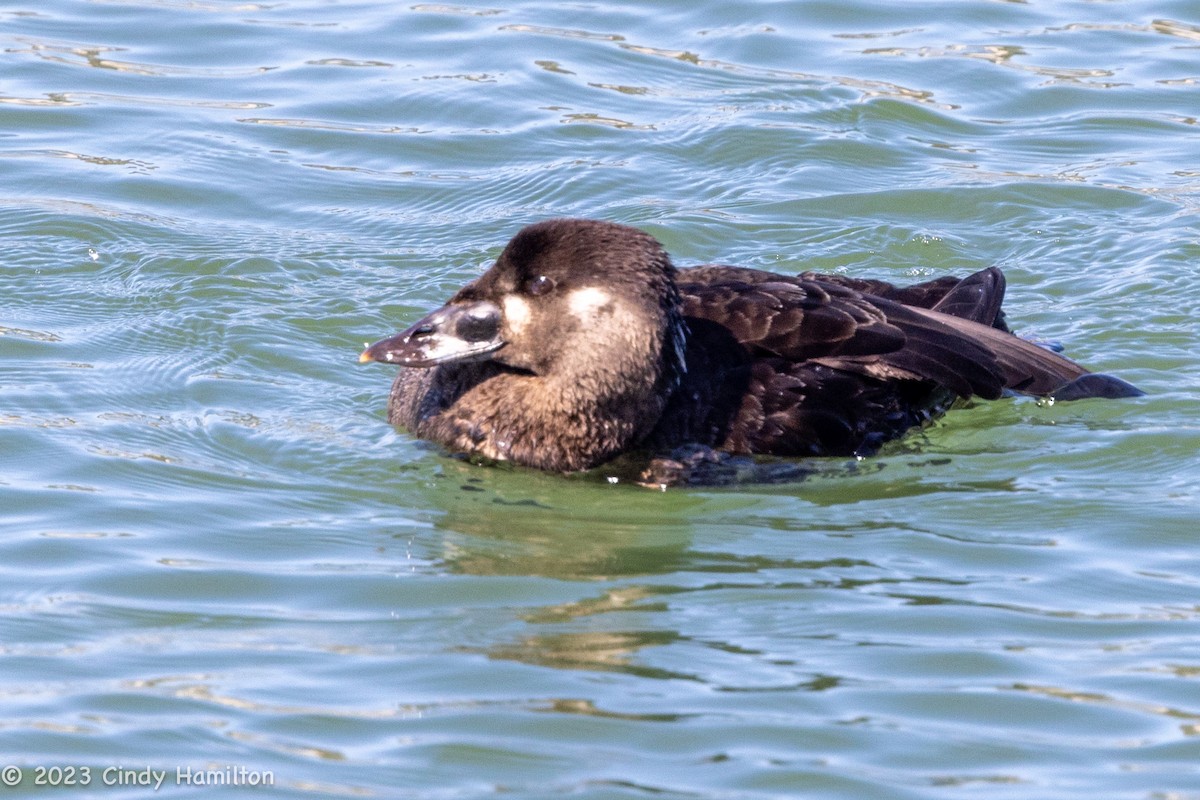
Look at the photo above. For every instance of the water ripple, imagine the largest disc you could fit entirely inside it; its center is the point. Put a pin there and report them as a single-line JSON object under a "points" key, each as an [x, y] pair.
{"points": [[215, 551]]}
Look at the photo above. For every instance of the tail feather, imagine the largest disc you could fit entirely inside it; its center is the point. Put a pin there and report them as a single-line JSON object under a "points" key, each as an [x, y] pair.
{"points": [[1031, 369], [1096, 384], [976, 297]]}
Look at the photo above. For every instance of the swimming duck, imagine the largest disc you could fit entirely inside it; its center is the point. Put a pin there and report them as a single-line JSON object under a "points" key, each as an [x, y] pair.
{"points": [[583, 342]]}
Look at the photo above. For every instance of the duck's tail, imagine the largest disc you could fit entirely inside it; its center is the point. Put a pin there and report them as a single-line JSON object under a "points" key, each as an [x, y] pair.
{"points": [[1027, 367]]}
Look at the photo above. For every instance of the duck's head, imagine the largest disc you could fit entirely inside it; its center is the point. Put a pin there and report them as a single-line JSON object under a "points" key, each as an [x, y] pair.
{"points": [[586, 303]]}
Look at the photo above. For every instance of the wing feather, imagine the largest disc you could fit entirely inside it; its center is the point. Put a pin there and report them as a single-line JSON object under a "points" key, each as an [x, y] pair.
{"points": [[948, 339]]}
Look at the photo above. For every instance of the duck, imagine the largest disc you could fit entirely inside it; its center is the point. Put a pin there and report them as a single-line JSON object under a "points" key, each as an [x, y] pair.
{"points": [[583, 344]]}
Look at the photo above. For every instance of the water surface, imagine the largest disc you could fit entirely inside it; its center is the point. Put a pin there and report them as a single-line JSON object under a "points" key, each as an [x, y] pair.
{"points": [[216, 555]]}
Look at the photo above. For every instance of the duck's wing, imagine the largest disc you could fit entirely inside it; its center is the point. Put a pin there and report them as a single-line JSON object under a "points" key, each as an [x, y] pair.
{"points": [[837, 324], [965, 356], [977, 297], [792, 318]]}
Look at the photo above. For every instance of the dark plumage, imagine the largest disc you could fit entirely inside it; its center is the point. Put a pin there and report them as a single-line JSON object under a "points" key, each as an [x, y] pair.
{"points": [[583, 342]]}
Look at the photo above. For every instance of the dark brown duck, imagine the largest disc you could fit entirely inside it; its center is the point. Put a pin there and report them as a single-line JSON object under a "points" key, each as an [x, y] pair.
{"points": [[583, 342]]}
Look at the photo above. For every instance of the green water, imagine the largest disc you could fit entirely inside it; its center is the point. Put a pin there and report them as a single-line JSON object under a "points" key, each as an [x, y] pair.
{"points": [[216, 556]]}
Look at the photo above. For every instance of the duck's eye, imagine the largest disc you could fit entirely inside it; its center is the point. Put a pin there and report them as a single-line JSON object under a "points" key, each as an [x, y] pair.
{"points": [[538, 286]]}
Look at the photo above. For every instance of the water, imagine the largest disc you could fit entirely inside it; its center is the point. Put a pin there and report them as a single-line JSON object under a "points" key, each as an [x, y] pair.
{"points": [[216, 557]]}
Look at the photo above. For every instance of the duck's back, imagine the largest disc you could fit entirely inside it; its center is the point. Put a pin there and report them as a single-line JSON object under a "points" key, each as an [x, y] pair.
{"points": [[830, 365]]}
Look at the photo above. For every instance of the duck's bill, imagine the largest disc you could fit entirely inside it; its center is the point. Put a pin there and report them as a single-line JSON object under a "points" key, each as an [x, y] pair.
{"points": [[459, 332]]}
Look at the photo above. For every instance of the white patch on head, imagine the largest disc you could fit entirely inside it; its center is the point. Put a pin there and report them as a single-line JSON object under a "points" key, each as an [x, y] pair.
{"points": [[585, 302], [516, 313], [611, 330]]}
